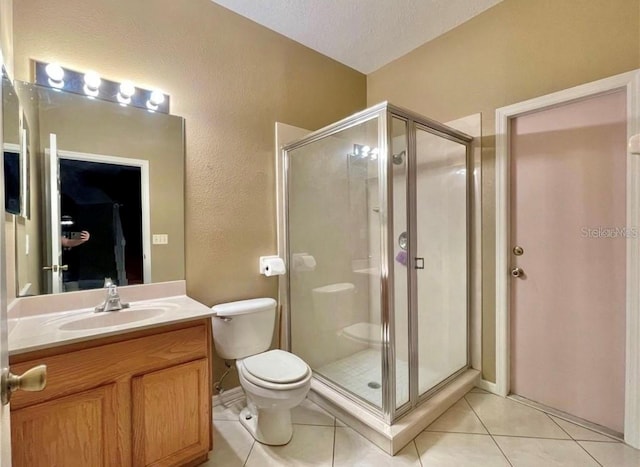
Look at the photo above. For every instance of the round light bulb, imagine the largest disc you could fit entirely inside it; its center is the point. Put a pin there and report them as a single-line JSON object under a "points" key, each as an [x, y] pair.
{"points": [[92, 80], [157, 97], [54, 72], [127, 89]]}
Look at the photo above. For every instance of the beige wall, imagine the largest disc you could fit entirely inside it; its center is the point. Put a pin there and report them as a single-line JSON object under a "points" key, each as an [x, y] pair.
{"points": [[514, 51], [6, 34], [231, 79]]}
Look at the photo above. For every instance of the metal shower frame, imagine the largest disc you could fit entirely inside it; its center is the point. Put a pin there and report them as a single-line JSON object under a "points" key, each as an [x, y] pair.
{"points": [[385, 112]]}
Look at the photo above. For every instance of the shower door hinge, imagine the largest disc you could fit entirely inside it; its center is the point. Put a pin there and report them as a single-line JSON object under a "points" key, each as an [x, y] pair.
{"points": [[419, 263]]}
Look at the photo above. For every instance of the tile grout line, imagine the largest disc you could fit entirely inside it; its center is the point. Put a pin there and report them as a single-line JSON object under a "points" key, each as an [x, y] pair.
{"points": [[415, 445], [504, 436], [485, 427], [248, 455], [333, 454], [574, 440]]}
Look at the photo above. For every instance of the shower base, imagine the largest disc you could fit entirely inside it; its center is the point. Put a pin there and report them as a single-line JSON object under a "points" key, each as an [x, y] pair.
{"points": [[361, 374], [389, 438]]}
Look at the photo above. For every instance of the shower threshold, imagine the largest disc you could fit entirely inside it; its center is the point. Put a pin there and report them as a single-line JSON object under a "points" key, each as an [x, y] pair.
{"points": [[392, 438]]}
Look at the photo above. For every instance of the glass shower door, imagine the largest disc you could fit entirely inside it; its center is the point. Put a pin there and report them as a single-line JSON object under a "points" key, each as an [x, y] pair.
{"points": [[441, 267], [334, 224]]}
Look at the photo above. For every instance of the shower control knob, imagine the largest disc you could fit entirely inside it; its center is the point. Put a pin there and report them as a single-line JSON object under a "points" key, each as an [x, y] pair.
{"points": [[517, 272]]}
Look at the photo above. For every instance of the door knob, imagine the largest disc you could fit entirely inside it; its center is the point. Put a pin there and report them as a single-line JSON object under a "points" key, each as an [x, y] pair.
{"points": [[34, 379], [517, 272], [53, 268]]}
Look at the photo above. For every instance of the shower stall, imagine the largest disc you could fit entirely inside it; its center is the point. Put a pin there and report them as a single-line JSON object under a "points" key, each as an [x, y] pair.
{"points": [[377, 218]]}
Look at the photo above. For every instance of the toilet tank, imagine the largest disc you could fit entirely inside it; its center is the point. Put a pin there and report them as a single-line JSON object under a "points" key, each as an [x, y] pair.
{"points": [[243, 328]]}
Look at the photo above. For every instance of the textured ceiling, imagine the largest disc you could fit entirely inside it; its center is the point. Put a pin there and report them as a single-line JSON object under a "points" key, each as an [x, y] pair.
{"points": [[363, 34]]}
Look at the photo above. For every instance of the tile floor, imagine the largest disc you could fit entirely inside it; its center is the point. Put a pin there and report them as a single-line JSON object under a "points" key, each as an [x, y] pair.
{"points": [[479, 430]]}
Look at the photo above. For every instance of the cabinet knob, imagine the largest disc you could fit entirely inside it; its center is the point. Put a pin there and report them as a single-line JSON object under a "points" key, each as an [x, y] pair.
{"points": [[34, 379]]}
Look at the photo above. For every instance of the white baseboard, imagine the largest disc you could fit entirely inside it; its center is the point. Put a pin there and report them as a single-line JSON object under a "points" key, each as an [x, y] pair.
{"points": [[229, 396]]}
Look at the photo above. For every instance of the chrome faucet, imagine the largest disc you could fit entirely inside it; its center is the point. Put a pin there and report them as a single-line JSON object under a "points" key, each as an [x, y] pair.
{"points": [[112, 302]]}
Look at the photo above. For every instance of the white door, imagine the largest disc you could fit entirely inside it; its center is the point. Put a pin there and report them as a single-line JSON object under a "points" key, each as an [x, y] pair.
{"points": [[5, 422], [568, 214], [54, 253]]}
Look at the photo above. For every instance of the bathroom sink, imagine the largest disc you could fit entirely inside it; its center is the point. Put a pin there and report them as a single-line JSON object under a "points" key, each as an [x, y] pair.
{"points": [[115, 318]]}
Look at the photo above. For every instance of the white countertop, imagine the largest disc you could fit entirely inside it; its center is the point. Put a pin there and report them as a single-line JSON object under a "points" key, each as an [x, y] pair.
{"points": [[41, 331]]}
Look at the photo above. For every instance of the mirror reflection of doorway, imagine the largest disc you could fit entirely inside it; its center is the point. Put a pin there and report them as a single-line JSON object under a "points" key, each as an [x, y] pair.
{"points": [[101, 209]]}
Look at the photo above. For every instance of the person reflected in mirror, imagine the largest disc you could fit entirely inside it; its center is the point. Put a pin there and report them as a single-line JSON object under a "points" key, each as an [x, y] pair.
{"points": [[71, 239]]}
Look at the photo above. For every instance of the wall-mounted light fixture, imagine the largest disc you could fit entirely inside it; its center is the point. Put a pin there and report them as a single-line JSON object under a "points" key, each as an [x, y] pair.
{"points": [[92, 85]]}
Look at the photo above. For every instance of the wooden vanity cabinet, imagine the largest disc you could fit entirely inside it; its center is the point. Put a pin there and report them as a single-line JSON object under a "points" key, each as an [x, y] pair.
{"points": [[137, 399]]}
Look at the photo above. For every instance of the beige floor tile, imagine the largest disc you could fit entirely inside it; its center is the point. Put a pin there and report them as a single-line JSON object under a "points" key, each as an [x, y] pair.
{"points": [[310, 445], [579, 433], [613, 454], [228, 411], [460, 418], [309, 413], [503, 416], [535, 452], [480, 391], [458, 450], [340, 422], [353, 449], [231, 445]]}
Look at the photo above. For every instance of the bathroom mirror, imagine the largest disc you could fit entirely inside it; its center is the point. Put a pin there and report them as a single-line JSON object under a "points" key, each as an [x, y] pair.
{"points": [[107, 194], [14, 167]]}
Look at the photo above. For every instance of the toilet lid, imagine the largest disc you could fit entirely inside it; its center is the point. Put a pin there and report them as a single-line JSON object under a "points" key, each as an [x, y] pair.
{"points": [[276, 366]]}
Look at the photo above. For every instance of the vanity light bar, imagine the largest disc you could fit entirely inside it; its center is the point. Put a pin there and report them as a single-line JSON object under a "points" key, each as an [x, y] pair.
{"points": [[92, 85]]}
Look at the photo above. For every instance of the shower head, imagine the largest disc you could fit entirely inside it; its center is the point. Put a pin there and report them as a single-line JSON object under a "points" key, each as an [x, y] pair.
{"points": [[398, 159]]}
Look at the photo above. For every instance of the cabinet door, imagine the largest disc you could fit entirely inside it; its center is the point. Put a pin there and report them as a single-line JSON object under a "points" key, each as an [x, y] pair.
{"points": [[171, 417], [80, 429]]}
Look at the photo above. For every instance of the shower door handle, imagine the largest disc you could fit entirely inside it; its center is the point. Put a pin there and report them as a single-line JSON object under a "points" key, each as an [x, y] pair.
{"points": [[419, 263]]}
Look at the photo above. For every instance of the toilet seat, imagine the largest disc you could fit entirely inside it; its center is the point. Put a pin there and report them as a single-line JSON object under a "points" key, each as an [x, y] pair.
{"points": [[275, 369]]}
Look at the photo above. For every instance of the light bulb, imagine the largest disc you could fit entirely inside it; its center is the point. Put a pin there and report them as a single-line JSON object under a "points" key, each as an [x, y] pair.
{"points": [[54, 72], [157, 97], [92, 80], [127, 89]]}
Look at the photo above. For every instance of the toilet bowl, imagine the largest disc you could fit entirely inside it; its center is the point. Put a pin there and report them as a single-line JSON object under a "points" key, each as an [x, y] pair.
{"points": [[274, 381], [271, 394]]}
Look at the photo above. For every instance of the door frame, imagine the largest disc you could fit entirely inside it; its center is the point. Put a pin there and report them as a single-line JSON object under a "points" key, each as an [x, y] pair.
{"points": [[143, 165], [630, 82]]}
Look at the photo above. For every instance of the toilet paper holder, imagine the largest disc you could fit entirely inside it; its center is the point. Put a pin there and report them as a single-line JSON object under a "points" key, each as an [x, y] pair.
{"points": [[272, 266]]}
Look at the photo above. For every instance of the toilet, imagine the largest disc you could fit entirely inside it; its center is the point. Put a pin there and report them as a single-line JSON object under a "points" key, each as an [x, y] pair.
{"points": [[274, 381]]}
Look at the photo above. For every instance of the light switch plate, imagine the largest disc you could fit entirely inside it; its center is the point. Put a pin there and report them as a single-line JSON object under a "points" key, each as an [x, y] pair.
{"points": [[160, 239]]}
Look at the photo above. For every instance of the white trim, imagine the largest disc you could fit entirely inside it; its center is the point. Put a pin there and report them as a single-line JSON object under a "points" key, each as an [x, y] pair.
{"points": [[631, 83], [54, 213], [284, 134], [472, 125], [144, 193], [487, 386]]}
